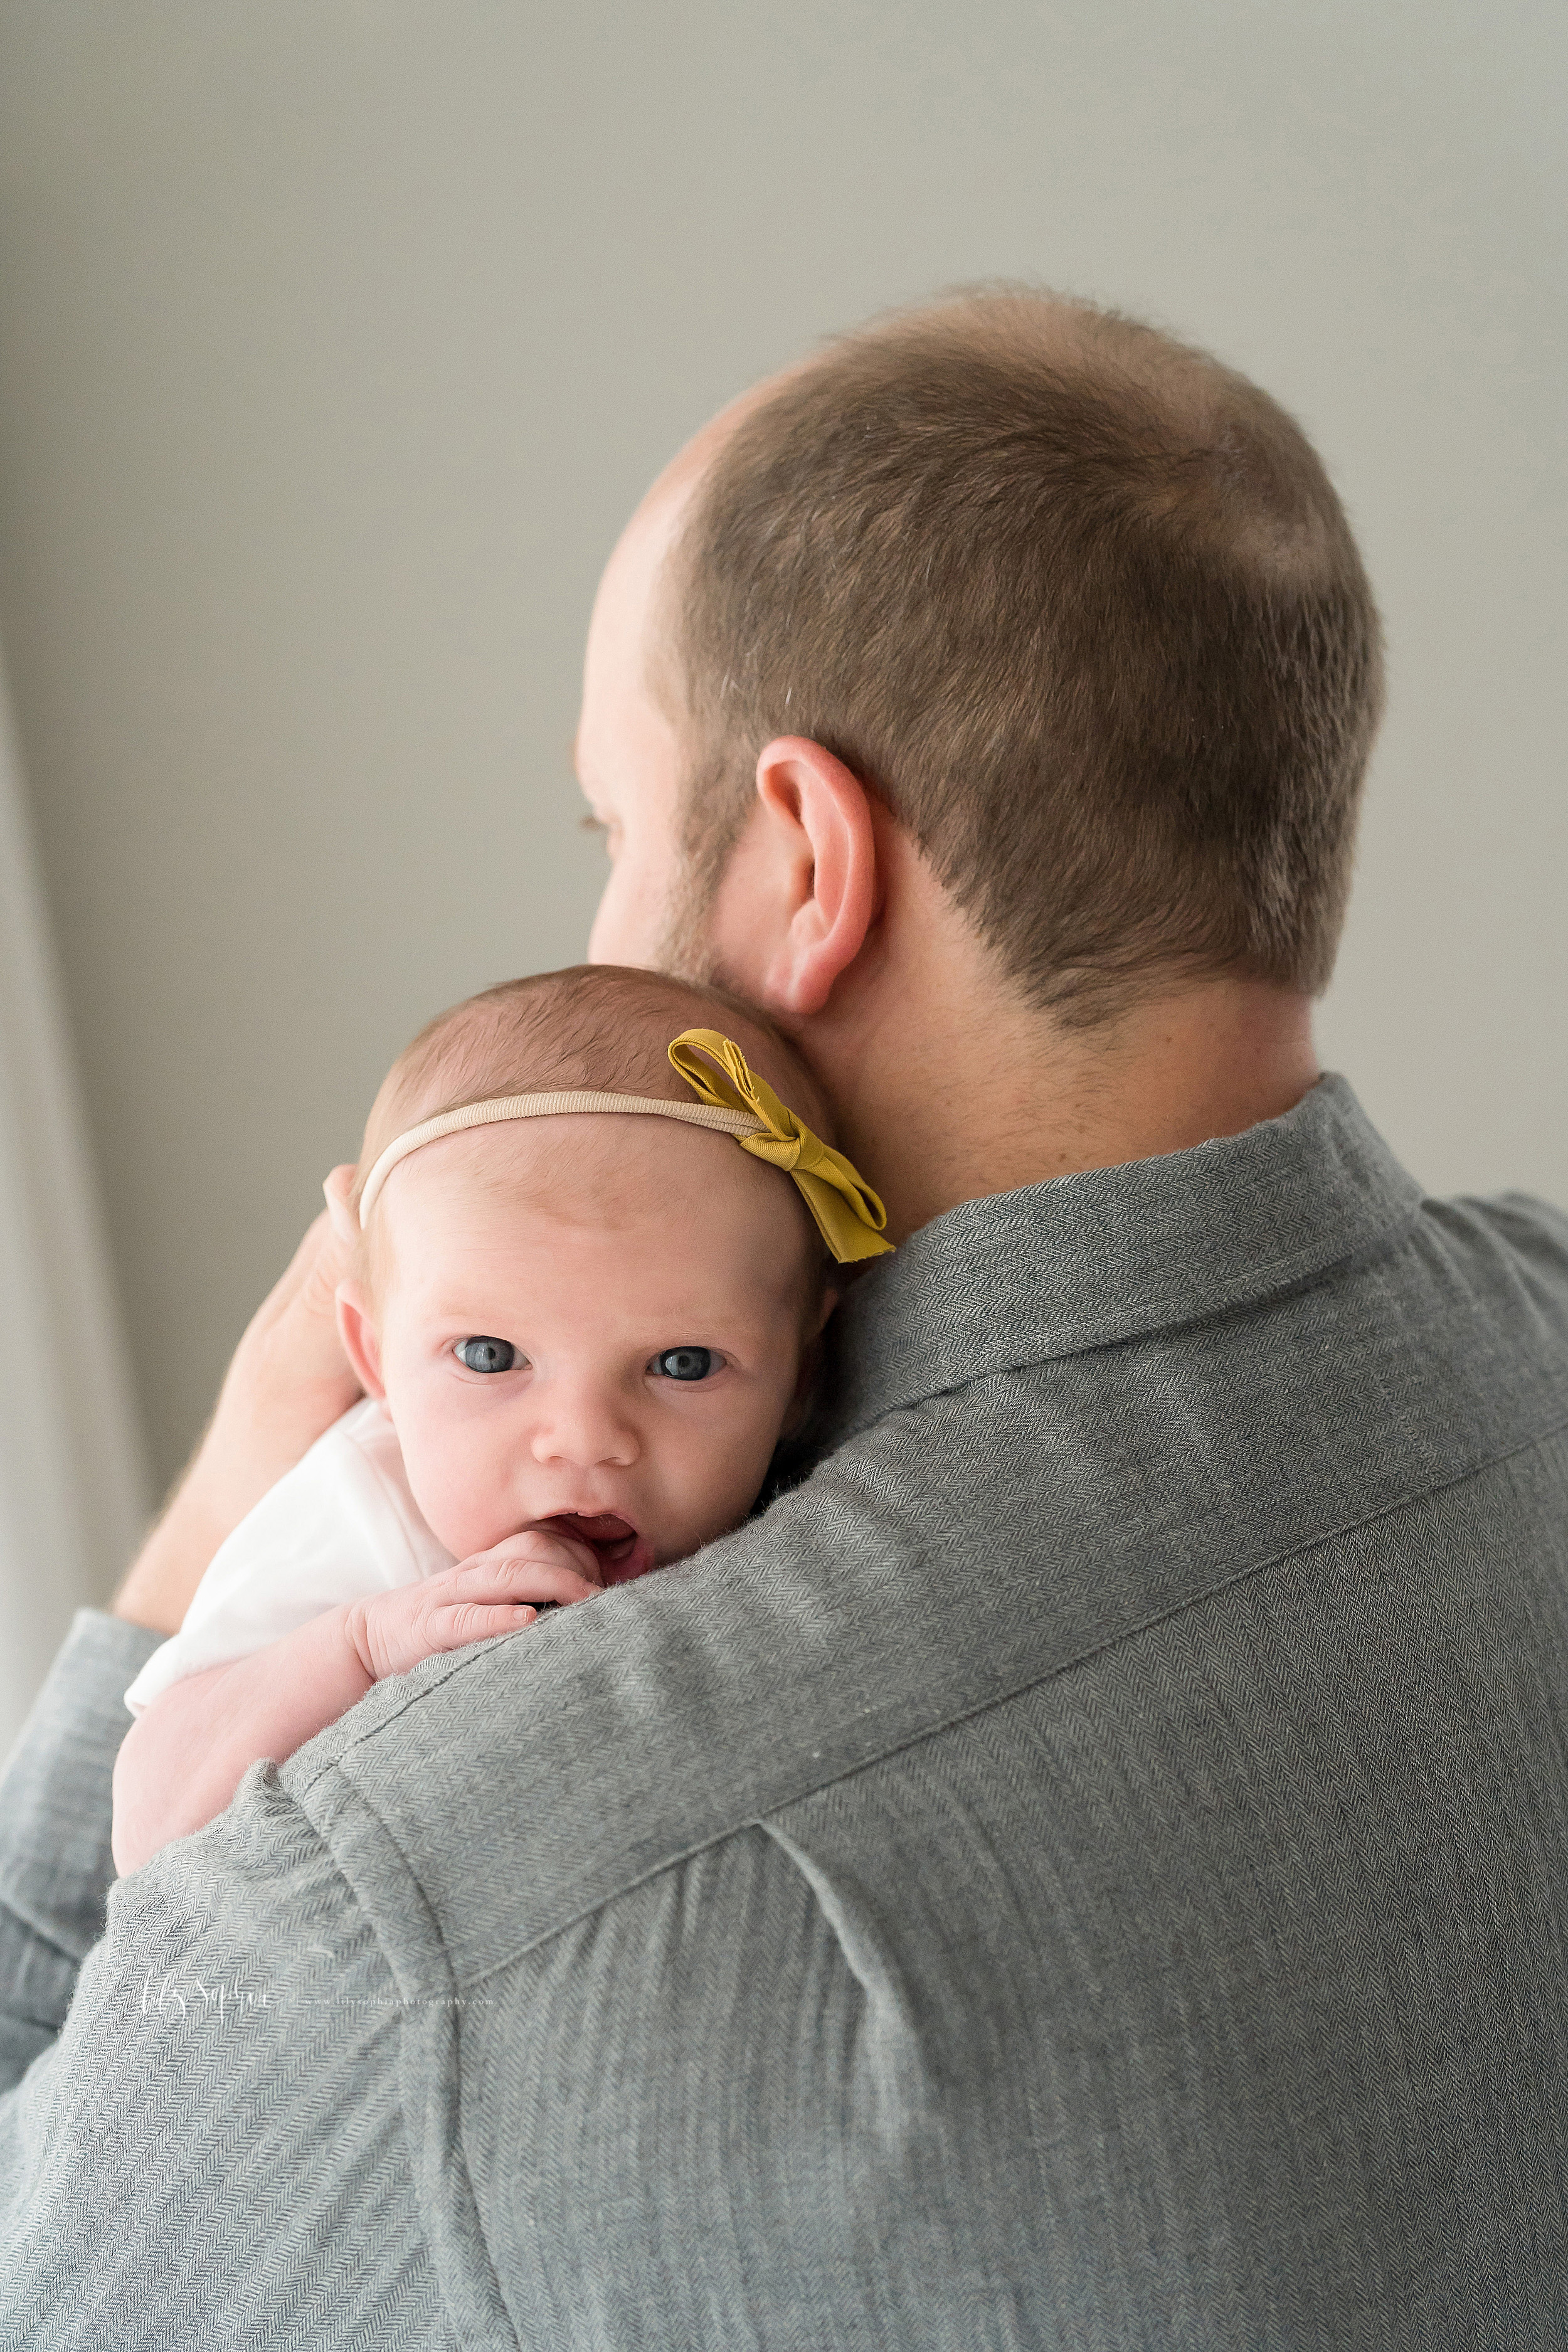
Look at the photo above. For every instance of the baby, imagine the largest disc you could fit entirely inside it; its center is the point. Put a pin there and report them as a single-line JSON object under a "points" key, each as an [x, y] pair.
{"points": [[590, 1263]]}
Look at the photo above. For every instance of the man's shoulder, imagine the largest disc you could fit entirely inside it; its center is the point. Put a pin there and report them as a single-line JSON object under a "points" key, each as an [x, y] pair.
{"points": [[1026, 1496], [1511, 1231], [1482, 1289], [529, 1780]]}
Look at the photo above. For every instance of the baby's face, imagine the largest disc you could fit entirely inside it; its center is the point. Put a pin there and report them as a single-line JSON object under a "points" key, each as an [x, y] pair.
{"points": [[596, 1320]]}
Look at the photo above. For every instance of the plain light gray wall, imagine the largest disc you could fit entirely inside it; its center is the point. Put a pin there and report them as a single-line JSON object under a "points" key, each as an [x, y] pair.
{"points": [[338, 337]]}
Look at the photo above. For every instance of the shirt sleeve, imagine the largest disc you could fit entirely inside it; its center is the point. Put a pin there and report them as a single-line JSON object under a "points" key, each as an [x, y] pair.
{"points": [[704, 2116], [55, 1809], [213, 2148]]}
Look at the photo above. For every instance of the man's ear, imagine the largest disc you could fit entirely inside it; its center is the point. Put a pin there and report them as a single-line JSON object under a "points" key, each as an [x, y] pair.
{"points": [[361, 1344], [803, 888]]}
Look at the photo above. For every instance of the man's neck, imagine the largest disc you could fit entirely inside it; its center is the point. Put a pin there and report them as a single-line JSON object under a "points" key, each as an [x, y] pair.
{"points": [[950, 1095]]}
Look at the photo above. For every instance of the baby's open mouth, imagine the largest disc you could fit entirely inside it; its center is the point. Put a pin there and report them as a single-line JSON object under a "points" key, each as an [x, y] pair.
{"points": [[615, 1544]]}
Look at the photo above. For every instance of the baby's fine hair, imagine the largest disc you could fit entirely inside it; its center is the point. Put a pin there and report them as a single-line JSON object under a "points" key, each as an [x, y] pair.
{"points": [[595, 1027]]}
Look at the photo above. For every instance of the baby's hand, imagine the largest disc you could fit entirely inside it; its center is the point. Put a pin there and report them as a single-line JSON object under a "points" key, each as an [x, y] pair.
{"points": [[495, 1592]]}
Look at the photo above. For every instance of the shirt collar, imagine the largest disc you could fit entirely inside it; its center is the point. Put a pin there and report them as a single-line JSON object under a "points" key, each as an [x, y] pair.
{"points": [[1115, 1253]]}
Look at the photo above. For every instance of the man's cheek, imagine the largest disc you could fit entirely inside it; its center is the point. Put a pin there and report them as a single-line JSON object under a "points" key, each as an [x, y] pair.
{"points": [[629, 925], [604, 938]]}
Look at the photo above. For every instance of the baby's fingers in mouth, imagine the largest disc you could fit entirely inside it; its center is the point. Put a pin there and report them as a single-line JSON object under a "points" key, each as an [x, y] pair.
{"points": [[620, 1552]]}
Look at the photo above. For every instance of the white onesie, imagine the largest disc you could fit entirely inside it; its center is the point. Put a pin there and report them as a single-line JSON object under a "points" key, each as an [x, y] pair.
{"points": [[341, 1523]]}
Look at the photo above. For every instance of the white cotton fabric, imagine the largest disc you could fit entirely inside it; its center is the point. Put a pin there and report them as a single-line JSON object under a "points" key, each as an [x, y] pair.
{"points": [[341, 1523]]}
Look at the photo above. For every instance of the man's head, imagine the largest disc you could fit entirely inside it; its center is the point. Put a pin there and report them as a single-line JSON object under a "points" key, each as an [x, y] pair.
{"points": [[1076, 606]]}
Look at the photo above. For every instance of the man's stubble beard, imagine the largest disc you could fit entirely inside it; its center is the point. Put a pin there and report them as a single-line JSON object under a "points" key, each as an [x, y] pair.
{"points": [[686, 949]]}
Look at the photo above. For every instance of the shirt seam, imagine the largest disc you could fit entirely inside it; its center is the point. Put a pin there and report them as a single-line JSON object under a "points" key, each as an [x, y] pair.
{"points": [[362, 1911]]}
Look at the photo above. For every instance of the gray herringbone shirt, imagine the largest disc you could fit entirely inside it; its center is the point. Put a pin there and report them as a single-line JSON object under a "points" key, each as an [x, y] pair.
{"points": [[1087, 1868]]}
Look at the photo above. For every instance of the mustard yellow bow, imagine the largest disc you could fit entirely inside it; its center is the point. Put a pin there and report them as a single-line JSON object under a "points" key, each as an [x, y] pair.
{"points": [[848, 1213]]}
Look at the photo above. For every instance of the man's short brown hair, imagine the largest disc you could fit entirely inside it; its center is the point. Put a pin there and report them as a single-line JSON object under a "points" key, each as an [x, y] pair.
{"points": [[1080, 607]]}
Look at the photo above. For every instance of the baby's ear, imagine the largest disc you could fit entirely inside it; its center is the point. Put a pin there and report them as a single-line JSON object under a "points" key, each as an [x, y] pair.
{"points": [[337, 1188], [362, 1341]]}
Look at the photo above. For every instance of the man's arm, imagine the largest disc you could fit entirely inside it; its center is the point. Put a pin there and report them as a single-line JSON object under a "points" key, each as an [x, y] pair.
{"points": [[289, 1380], [214, 2150], [55, 1865]]}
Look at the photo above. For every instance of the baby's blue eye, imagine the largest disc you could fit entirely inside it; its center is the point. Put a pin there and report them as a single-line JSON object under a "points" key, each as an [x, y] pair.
{"points": [[685, 1363], [486, 1355]]}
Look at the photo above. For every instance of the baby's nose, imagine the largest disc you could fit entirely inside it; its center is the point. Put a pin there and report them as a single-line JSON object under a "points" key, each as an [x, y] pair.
{"points": [[582, 1428]]}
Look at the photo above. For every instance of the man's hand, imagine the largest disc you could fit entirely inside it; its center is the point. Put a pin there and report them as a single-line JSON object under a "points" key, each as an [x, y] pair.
{"points": [[495, 1592], [288, 1382]]}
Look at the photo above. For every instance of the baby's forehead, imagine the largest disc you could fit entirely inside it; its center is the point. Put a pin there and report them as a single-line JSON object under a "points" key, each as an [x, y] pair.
{"points": [[546, 1163], [653, 1184]]}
